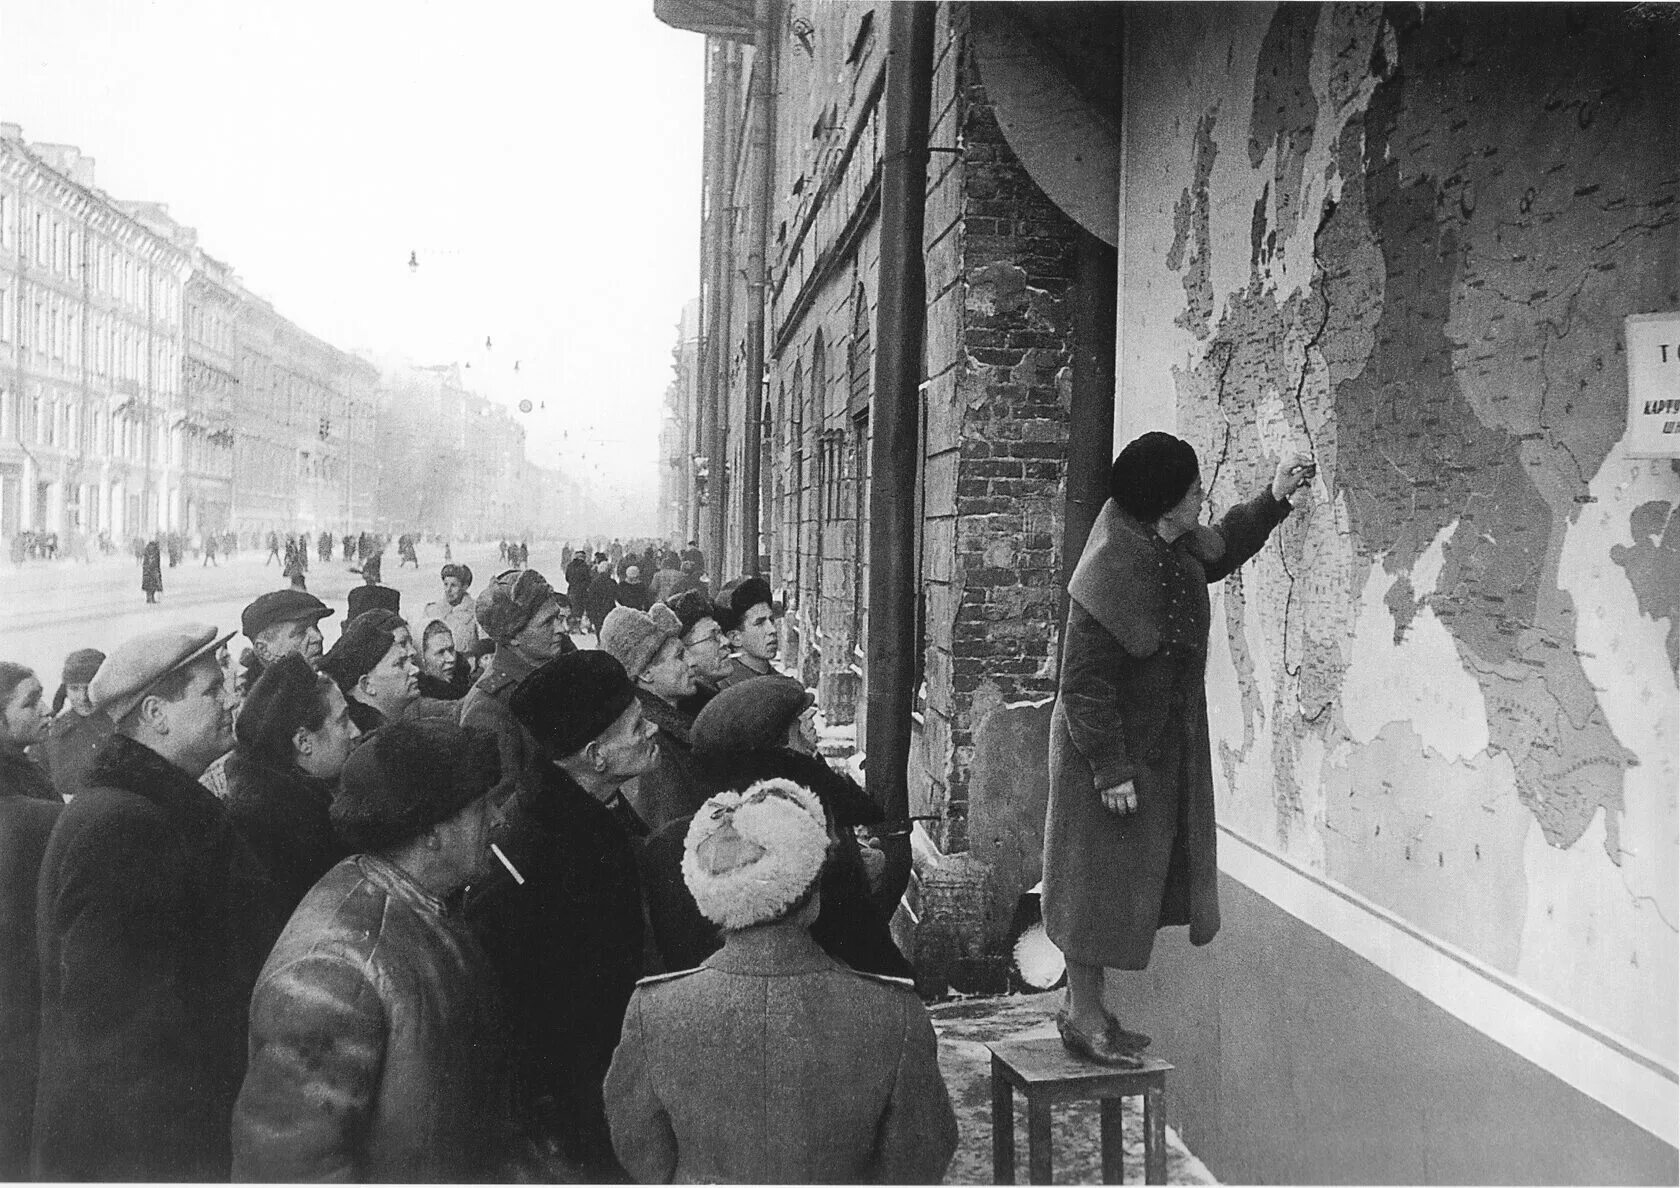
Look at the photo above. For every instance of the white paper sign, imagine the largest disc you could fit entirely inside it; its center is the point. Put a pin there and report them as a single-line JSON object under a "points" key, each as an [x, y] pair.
{"points": [[1653, 358]]}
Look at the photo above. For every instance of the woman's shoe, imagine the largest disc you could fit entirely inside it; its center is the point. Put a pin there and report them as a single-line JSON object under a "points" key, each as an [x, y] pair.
{"points": [[1132, 1041], [1099, 1049]]}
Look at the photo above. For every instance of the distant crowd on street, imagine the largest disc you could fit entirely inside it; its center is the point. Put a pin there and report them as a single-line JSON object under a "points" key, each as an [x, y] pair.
{"points": [[453, 898]]}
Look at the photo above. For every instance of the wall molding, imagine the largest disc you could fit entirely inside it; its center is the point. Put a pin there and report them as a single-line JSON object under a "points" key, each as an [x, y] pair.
{"points": [[1633, 1082]]}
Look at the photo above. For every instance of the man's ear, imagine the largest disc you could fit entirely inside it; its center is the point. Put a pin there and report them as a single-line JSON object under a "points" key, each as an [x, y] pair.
{"points": [[153, 712], [302, 743], [734, 637]]}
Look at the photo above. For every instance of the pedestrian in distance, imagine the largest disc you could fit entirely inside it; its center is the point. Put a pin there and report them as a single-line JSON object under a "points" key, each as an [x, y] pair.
{"points": [[151, 570], [146, 962], [292, 738], [649, 645], [578, 573], [273, 549], [23, 725], [1129, 837], [562, 918], [77, 730], [632, 591], [602, 595], [209, 551], [456, 609], [376, 1037], [374, 666], [773, 1062]]}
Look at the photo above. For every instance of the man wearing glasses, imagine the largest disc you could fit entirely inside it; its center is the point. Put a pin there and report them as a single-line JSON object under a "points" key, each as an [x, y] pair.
{"points": [[704, 646]]}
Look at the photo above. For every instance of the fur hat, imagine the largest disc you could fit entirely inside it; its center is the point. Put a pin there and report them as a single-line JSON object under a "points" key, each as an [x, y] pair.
{"points": [[81, 665], [572, 700], [284, 697], [634, 637], [512, 600], [455, 570], [409, 776], [366, 640], [690, 607], [739, 597], [362, 599], [751, 857], [1152, 474]]}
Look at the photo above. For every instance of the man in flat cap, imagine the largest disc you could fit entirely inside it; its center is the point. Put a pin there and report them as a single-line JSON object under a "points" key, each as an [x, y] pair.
{"points": [[562, 920], [282, 623], [526, 618], [456, 609], [773, 1062], [374, 664], [649, 645], [748, 618], [377, 1049], [145, 966]]}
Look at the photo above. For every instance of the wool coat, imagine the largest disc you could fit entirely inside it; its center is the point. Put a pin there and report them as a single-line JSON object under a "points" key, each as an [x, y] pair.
{"points": [[774, 1063], [675, 787], [144, 928], [283, 816], [601, 598], [25, 825], [20, 775], [850, 927], [72, 742], [1131, 706], [377, 1046], [151, 568], [567, 945]]}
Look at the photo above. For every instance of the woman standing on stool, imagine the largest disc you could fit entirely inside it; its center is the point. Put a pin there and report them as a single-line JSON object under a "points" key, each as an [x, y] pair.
{"points": [[1129, 836]]}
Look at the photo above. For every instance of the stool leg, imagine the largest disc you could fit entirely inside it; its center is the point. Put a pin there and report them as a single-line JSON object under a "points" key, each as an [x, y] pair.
{"points": [[1155, 1134], [1003, 1127], [1038, 1141], [1113, 1140]]}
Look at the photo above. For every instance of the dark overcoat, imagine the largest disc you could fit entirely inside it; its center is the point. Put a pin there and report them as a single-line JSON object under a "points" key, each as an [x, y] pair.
{"points": [[1132, 706], [567, 945], [144, 924], [20, 775], [25, 824], [151, 568], [72, 742], [775, 1064], [675, 787], [601, 598]]}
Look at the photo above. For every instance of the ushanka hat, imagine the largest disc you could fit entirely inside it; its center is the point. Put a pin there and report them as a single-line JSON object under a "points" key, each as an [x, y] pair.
{"points": [[1152, 474], [634, 637], [751, 857], [572, 700], [409, 776], [454, 570], [81, 665]]}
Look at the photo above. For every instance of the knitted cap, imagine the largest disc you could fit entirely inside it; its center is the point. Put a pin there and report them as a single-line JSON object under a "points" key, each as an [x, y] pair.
{"points": [[572, 700], [751, 716], [409, 776], [1152, 474], [634, 637], [749, 857]]}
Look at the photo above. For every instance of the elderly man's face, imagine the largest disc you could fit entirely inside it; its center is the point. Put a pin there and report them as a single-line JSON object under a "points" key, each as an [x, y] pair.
{"points": [[626, 749], [669, 676], [438, 662]]}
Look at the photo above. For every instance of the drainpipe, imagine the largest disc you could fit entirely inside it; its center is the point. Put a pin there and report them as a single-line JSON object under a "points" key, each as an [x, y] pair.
{"points": [[1091, 411], [901, 311], [719, 341], [709, 201], [761, 102]]}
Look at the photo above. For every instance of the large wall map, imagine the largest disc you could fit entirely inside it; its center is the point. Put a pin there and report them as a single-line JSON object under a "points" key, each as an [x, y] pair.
{"points": [[1405, 240]]}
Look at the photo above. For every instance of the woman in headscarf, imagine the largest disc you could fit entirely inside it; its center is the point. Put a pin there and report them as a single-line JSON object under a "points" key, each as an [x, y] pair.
{"points": [[23, 723], [1129, 835]]}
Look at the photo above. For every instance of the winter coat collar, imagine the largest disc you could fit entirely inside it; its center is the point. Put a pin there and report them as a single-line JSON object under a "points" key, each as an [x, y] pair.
{"points": [[22, 776], [132, 767], [781, 949], [1126, 576], [396, 882], [507, 667], [670, 720], [280, 793]]}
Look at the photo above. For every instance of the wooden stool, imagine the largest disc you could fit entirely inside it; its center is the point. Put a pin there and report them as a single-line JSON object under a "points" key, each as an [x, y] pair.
{"points": [[1047, 1073]]}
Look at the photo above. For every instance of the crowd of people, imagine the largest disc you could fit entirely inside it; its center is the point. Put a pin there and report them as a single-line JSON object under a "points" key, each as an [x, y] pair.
{"points": [[452, 899]]}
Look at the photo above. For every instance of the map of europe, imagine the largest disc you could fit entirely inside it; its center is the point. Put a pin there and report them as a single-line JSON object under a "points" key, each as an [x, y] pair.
{"points": [[1450, 681]]}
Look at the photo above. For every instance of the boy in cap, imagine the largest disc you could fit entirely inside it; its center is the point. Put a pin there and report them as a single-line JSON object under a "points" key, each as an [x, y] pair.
{"points": [[145, 965], [457, 610], [526, 618], [374, 665], [773, 1062], [78, 730], [748, 619], [562, 920], [375, 1037], [651, 650]]}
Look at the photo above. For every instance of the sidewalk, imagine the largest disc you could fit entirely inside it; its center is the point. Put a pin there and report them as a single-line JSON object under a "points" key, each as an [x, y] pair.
{"points": [[964, 1027]]}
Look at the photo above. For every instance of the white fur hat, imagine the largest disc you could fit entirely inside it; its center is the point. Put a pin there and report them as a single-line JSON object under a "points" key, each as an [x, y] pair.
{"points": [[751, 855]]}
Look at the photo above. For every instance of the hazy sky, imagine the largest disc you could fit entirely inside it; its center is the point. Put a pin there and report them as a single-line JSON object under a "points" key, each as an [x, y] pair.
{"points": [[542, 159]]}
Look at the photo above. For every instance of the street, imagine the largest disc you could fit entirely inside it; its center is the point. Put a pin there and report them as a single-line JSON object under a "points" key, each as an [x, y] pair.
{"points": [[56, 607]]}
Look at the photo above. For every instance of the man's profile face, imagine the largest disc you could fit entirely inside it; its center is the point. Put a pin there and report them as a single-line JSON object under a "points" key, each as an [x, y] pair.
{"points": [[627, 747], [543, 638], [393, 684], [756, 637], [297, 638], [201, 721]]}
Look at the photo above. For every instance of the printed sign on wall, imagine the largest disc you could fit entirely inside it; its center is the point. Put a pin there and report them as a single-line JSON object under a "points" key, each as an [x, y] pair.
{"points": [[1653, 355]]}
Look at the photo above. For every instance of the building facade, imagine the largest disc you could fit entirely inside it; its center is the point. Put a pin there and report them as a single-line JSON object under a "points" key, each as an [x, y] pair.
{"points": [[92, 338], [678, 496]]}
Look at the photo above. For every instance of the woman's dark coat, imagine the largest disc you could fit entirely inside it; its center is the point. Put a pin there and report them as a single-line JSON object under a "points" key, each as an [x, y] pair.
{"points": [[144, 921], [22, 776], [1132, 707], [72, 743], [849, 926], [25, 825], [578, 574], [151, 568], [567, 946], [282, 814], [602, 597]]}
